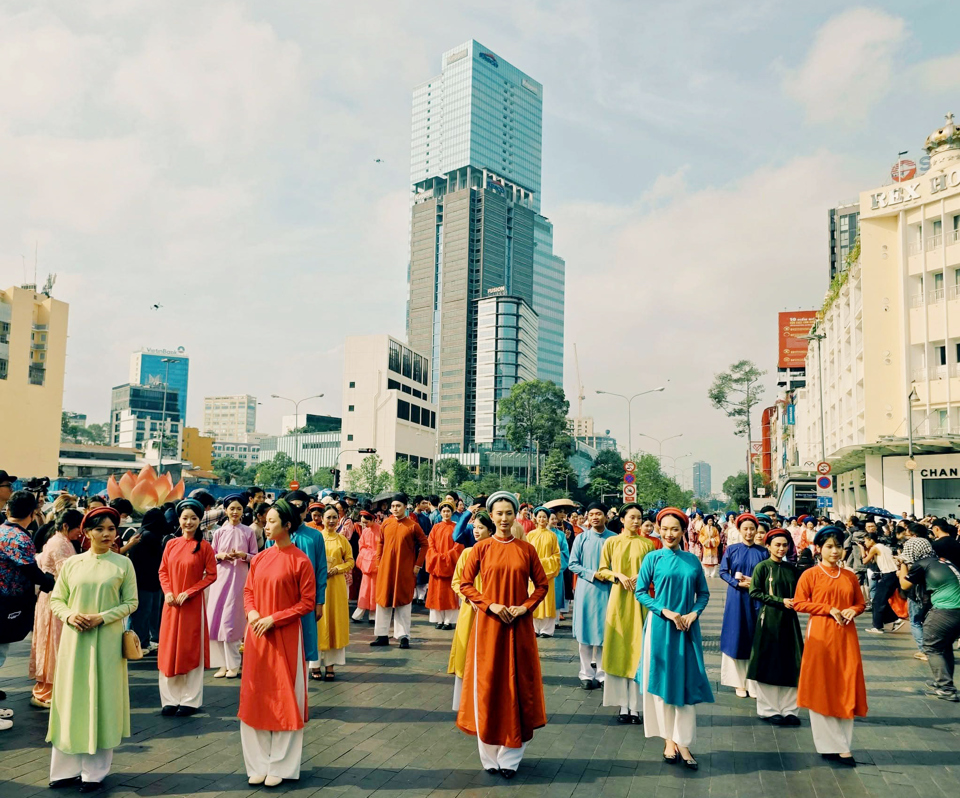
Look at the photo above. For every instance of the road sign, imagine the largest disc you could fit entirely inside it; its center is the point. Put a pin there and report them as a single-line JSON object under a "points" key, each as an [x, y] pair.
{"points": [[294, 485], [629, 466], [824, 468], [824, 483], [824, 501], [629, 493], [629, 479]]}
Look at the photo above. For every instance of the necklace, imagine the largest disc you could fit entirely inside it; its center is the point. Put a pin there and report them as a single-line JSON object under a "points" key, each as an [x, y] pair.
{"points": [[832, 576]]}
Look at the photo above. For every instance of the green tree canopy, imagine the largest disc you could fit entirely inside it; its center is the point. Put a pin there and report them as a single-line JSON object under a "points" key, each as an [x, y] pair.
{"points": [[451, 472], [279, 472], [557, 473], [229, 469], [533, 415], [322, 478], [736, 392], [404, 477], [369, 477]]}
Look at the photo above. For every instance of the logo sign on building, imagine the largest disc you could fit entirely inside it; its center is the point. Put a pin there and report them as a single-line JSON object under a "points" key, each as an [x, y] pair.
{"points": [[791, 419], [456, 56], [793, 347], [491, 59], [905, 169]]}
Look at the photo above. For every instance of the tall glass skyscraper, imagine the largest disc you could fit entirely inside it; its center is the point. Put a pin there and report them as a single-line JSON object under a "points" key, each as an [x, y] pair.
{"points": [[477, 232], [147, 367]]}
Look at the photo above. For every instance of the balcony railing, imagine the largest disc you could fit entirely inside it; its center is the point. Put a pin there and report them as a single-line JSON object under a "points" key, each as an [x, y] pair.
{"points": [[919, 375], [935, 242], [936, 295], [915, 248], [955, 236], [954, 292], [916, 301]]}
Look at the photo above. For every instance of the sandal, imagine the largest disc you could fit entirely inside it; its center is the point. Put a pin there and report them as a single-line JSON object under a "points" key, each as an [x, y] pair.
{"points": [[329, 676], [316, 674]]}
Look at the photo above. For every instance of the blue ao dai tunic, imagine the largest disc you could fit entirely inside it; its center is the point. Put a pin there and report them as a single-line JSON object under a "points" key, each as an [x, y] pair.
{"points": [[676, 670], [564, 564], [740, 612], [591, 595], [310, 542]]}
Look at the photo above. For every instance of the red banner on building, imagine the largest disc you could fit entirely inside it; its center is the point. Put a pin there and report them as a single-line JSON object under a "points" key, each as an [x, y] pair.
{"points": [[793, 348]]}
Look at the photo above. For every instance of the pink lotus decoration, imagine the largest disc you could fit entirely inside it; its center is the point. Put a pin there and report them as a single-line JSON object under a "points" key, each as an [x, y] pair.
{"points": [[145, 490]]}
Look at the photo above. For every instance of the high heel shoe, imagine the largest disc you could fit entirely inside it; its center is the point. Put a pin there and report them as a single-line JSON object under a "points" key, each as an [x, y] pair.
{"points": [[671, 760]]}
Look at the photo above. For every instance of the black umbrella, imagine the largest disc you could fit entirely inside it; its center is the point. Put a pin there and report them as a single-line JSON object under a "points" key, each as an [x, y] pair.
{"points": [[877, 511]]}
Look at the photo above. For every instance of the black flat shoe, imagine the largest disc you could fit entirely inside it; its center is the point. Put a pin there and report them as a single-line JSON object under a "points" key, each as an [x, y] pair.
{"points": [[493, 771], [846, 761], [691, 764], [186, 712], [90, 786], [586, 684], [776, 720], [383, 640], [168, 711], [438, 626], [830, 757], [791, 720], [597, 684], [546, 636], [56, 784], [448, 627], [404, 642], [672, 760], [371, 622], [537, 634], [623, 718], [636, 720], [507, 774]]}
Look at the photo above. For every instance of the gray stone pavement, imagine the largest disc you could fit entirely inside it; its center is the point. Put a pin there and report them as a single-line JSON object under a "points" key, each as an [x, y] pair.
{"points": [[385, 728]]}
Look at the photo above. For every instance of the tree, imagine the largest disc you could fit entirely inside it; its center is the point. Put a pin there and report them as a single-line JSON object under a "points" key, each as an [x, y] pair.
{"points": [[279, 472], [736, 392], [403, 476], [452, 472], [322, 478], [737, 488], [608, 466], [533, 415], [229, 469], [369, 477], [655, 488], [425, 479], [97, 434], [557, 473]]}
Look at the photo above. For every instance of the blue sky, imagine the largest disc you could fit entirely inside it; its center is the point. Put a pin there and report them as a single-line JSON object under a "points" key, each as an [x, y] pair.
{"points": [[218, 159]]}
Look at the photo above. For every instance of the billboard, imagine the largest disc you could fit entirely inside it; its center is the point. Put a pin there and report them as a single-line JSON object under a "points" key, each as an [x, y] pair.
{"points": [[793, 348]]}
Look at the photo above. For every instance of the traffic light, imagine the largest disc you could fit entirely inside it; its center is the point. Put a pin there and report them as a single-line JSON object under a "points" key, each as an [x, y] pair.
{"points": [[336, 477], [367, 451]]}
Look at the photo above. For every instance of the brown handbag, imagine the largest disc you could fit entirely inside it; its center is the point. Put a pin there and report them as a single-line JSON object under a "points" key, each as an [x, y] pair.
{"points": [[131, 645]]}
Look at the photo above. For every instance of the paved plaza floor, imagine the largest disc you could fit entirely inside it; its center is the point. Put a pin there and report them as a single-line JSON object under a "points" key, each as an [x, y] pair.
{"points": [[385, 728]]}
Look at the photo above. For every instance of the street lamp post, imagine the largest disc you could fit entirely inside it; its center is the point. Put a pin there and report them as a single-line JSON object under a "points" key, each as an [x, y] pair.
{"points": [[911, 464], [629, 401], [296, 431], [163, 409], [660, 443]]}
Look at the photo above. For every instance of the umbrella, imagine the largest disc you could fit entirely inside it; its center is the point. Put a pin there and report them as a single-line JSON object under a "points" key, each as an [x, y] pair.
{"points": [[560, 503], [877, 511], [382, 497], [313, 490]]}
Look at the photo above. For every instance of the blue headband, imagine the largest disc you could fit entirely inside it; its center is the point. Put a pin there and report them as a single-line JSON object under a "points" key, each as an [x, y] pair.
{"points": [[190, 504]]}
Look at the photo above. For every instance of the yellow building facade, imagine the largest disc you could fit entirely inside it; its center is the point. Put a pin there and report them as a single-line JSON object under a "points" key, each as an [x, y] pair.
{"points": [[197, 448], [33, 354]]}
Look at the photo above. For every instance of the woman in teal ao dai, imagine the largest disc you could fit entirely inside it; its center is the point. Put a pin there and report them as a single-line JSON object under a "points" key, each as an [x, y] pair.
{"points": [[672, 675]]}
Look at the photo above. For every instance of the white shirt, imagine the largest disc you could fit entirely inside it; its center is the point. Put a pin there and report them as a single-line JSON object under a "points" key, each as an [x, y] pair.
{"points": [[884, 559]]}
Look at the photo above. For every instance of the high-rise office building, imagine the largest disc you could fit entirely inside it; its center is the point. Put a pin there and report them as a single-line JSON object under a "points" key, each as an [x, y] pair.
{"points": [[844, 229], [229, 418], [142, 413], [476, 229], [158, 366], [701, 480]]}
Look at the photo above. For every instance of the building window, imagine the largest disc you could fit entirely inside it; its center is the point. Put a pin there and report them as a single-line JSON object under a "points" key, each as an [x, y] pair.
{"points": [[349, 466], [349, 437], [349, 408], [403, 410], [353, 384], [393, 358]]}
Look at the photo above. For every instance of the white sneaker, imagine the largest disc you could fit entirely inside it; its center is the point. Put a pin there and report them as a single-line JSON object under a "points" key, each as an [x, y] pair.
{"points": [[741, 693], [232, 674], [272, 781], [874, 631], [220, 673], [5, 724], [256, 780]]}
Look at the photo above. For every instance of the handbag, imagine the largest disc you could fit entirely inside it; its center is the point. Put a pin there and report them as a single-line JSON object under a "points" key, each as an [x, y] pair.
{"points": [[131, 645], [16, 616]]}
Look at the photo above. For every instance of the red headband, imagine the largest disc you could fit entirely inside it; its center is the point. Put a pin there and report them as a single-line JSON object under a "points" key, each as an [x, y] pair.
{"points": [[365, 514], [95, 514], [678, 514], [316, 506], [774, 533], [746, 517]]}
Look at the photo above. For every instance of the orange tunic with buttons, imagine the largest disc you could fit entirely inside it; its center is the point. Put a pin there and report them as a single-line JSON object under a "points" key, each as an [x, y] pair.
{"points": [[502, 700], [831, 672], [181, 626], [402, 546]]}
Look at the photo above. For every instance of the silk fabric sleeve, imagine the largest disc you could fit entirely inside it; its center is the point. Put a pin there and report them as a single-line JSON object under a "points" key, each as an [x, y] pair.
{"points": [[758, 591], [644, 581], [551, 562], [60, 596], [605, 571], [248, 601], [703, 593], [422, 543], [209, 570], [320, 574], [308, 595], [803, 598], [165, 585], [725, 574], [129, 601], [576, 566], [470, 570]]}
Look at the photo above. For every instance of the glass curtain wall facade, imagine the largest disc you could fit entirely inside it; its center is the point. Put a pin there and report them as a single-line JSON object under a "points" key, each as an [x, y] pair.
{"points": [[507, 338], [149, 369], [476, 230]]}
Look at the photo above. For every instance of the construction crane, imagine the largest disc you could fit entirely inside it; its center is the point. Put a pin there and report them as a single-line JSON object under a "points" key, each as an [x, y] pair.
{"points": [[580, 396]]}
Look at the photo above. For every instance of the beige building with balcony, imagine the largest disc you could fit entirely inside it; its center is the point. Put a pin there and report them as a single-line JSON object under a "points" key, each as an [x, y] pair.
{"points": [[33, 353], [892, 331]]}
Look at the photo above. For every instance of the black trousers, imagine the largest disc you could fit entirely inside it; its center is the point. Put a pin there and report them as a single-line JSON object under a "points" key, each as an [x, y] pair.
{"points": [[941, 628], [882, 612]]}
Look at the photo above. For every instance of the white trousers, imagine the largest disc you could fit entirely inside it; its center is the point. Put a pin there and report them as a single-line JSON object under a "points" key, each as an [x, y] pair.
{"points": [[619, 691], [499, 756], [401, 621], [420, 592], [275, 753], [89, 767], [545, 626], [444, 616], [457, 692], [733, 673], [359, 614], [590, 659], [225, 654], [661, 719], [185, 690], [332, 656], [775, 700], [831, 735]]}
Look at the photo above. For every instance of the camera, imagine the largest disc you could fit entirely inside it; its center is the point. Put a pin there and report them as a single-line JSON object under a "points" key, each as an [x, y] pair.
{"points": [[37, 485]]}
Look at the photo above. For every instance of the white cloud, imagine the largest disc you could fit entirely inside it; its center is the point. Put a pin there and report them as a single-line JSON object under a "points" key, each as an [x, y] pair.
{"points": [[677, 290], [850, 66]]}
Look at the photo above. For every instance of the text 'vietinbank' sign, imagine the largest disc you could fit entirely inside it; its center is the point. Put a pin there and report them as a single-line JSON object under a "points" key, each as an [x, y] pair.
{"points": [[912, 191]]}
